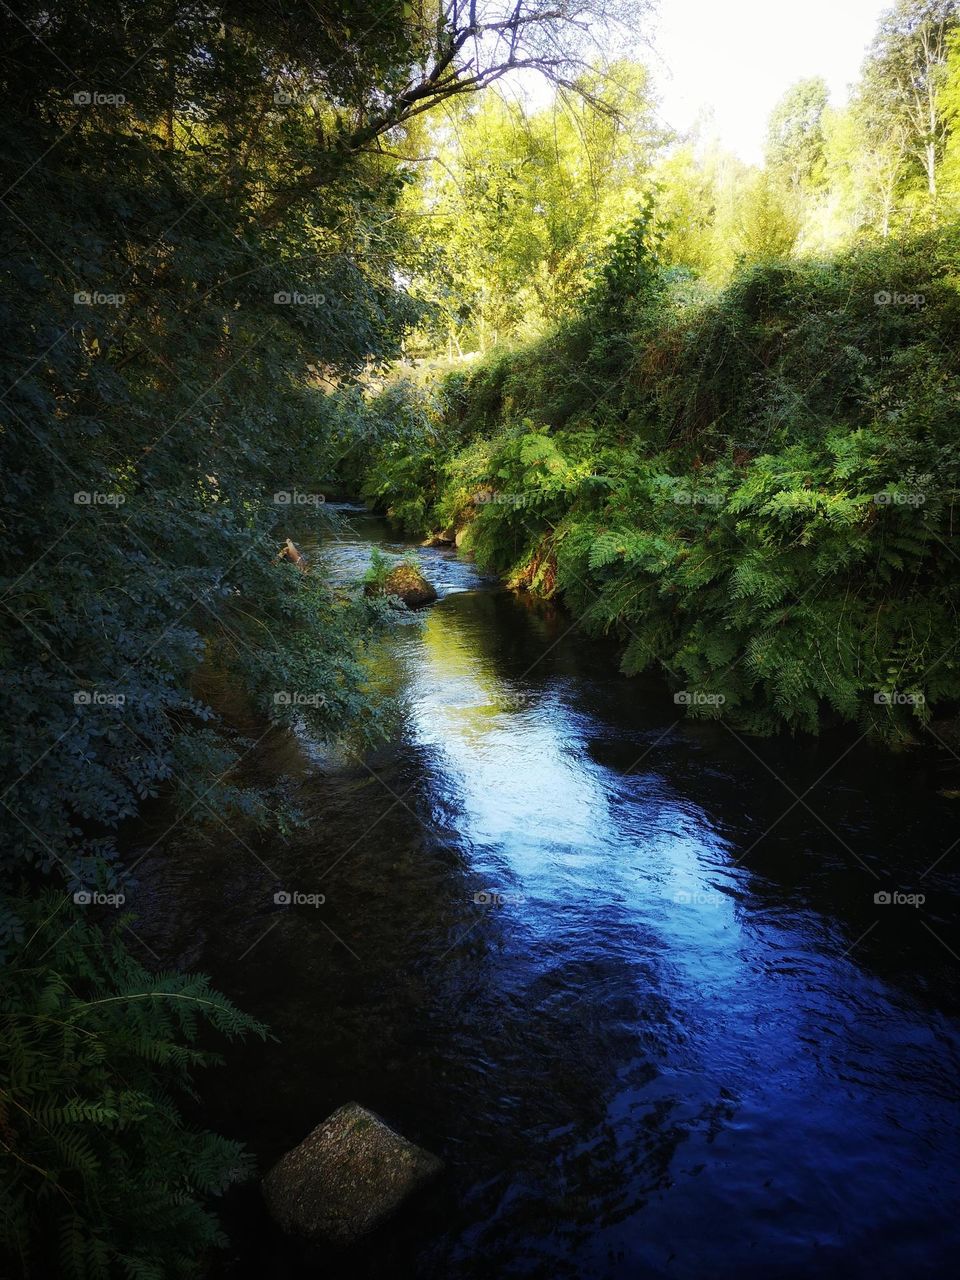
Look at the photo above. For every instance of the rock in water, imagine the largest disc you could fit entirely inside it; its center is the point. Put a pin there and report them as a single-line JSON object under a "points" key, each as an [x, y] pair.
{"points": [[407, 583], [411, 586], [345, 1177], [442, 538]]}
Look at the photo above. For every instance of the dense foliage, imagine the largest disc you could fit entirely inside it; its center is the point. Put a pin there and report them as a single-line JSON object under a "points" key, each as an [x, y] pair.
{"points": [[517, 205], [517, 200], [756, 494], [158, 395], [737, 448]]}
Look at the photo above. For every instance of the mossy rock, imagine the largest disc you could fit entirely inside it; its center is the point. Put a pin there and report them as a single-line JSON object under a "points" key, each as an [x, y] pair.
{"points": [[346, 1176], [441, 538], [407, 583]]}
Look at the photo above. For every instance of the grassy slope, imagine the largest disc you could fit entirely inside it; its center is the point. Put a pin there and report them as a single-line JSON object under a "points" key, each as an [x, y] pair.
{"points": [[756, 493]]}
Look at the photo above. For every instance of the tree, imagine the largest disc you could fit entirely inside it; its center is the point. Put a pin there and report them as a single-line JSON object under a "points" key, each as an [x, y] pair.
{"points": [[767, 222], [515, 205], [795, 142], [903, 75], [950, 110], [460, 47]]}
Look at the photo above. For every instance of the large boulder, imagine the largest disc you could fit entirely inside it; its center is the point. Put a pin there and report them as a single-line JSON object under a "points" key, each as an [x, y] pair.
{"points": [[407, 583], [346, 1176]]}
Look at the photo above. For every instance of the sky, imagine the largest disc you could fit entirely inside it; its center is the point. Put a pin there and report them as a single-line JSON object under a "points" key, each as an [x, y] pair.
{"points": [[737, 57]]}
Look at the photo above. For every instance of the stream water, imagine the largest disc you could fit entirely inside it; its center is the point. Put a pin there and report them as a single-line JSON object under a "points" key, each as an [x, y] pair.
{"points": [[624, 972]]}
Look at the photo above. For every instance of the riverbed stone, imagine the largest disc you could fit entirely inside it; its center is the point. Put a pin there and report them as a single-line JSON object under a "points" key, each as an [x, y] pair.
{"points": [[346, 1176]]}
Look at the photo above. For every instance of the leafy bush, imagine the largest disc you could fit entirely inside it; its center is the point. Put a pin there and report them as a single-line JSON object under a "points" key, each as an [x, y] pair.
{"points": [[403, 434], [102, 1175], [378, 569]]}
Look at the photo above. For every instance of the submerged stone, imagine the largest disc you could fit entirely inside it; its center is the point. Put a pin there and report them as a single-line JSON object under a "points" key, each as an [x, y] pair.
{"points": [[346, 1176]]}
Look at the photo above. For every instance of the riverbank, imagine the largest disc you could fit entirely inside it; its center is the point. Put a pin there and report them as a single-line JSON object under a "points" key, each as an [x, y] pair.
{"points": [[754, 494]]}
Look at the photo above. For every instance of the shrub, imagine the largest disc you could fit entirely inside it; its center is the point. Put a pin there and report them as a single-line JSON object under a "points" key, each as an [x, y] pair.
{"points": [[102, 1175]]}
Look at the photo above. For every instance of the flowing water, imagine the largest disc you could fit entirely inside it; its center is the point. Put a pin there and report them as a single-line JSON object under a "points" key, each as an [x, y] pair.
{"points": [[626, 973]]}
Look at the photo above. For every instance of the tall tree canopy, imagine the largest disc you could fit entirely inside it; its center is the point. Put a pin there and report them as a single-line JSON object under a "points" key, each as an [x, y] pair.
{"points": [[517, 204], [902, 78], [795, 133]]}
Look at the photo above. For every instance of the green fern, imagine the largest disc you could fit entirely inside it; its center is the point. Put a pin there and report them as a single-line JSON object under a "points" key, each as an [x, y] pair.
{"points": [[101, 1175]]}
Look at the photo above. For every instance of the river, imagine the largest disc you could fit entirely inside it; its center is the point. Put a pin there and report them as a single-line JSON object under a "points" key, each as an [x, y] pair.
{"points": [[624, 972]]}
